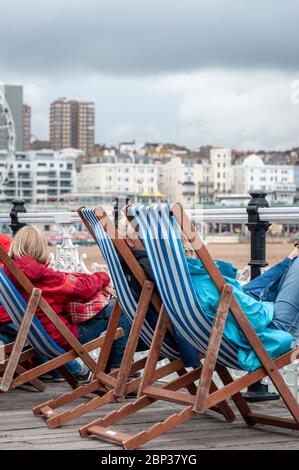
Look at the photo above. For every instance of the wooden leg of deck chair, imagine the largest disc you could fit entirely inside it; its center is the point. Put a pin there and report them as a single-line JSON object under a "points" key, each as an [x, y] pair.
{"points": [[109, 338], [213, 349], [155, 349], [237, 398], [56, 418], [232, 388], [222, 408], [134, 336], [36, 383], [142, 402], [58, 361], [20, 340], [69, 377]]}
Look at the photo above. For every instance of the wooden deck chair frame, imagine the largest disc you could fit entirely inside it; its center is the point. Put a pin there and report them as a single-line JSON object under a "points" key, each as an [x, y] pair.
{"points": [[117, 382], [17, 353], [204, 398]]}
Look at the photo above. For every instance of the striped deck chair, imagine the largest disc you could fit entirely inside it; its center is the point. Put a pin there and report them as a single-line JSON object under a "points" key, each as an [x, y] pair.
{"points": [[32, 333], [106, 236], [111, 246], [160, 227]]}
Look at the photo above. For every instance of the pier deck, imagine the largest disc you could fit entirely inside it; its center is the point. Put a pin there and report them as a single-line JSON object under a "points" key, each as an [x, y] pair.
{"points": [[19, 429]]}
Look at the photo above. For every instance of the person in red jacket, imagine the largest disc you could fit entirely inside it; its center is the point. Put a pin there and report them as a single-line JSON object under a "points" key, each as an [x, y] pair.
{"points": [[30, 253]]}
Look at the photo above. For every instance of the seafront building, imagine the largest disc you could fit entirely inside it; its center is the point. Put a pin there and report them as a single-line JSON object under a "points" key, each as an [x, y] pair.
{"points": [[185, 180], [190, 179], [135, 175], [37, 176], [277, 180]]}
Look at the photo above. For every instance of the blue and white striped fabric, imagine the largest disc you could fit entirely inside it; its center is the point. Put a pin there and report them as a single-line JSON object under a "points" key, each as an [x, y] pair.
{"points": [[15, 307], [126, 300], [160, 232]]}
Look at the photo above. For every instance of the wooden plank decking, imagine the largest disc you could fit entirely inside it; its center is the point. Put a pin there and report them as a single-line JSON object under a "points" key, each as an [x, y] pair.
{"points": [[19, 429]]}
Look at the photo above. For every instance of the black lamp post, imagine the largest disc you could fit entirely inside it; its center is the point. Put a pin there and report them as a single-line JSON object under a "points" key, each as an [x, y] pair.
{"points": [[258, 229]]}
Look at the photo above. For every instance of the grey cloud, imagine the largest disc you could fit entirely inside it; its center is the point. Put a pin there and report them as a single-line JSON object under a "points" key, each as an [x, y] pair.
{"points": [[146, 37]]}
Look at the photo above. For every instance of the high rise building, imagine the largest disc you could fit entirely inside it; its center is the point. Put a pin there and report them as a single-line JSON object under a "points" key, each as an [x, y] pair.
{"points": [[26, 126], [72, 124], [86, 122], [14, 98]]}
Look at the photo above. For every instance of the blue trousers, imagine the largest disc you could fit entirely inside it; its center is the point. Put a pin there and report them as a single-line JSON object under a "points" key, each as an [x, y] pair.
{"points": [[87, 331], [8, 333], [93, 328], [280, 285]]}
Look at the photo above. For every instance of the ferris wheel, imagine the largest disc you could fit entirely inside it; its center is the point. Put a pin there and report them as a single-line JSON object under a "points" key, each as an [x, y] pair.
{"points": [[7, 123]]}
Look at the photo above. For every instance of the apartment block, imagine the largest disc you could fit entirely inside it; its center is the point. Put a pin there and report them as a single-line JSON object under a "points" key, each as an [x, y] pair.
{"points": [[72, 124], [37, 176]]}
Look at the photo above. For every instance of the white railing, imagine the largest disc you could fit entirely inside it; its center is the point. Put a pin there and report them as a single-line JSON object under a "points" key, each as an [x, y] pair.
{"points": [[232, 215]]}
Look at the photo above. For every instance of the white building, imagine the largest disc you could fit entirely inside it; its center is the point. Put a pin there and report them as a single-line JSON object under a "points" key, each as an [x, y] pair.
{"points": [[276, 180], [35, 176], [134, 175], [185, 180], [221, 161]]}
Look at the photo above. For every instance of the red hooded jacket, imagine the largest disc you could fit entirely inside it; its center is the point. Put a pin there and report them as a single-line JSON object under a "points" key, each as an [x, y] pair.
{"points": [[59, 288]]}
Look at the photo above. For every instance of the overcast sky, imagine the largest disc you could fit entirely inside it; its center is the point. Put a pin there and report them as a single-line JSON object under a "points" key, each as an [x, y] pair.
{"points": [[188, 71]]}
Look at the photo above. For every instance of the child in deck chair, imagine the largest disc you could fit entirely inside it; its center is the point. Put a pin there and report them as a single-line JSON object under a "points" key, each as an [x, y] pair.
{"points": [[8, 333], [30, 253]]}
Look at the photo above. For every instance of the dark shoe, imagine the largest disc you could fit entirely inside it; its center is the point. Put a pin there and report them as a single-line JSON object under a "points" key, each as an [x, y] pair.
{"points": [[84, 378]]}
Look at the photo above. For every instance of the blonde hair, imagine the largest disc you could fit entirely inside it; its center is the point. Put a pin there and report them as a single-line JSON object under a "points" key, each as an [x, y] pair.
{"points": [[30, 241]]}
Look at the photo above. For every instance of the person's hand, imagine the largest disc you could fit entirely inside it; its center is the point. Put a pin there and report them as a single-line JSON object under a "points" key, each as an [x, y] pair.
{"points": [[109, 289]]}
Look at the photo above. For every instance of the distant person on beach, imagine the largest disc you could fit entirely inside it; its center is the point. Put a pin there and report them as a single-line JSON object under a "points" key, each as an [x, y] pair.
{"points": [[30, 253], [270, 302]]}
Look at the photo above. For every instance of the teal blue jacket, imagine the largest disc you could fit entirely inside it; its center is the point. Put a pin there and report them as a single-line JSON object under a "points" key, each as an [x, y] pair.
{"points": [[259, 313]]}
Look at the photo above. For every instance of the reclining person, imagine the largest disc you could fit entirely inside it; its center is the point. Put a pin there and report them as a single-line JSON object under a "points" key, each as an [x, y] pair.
{"points": [[30, 253], [126, 231], [270, 302]]}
